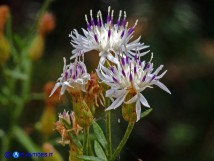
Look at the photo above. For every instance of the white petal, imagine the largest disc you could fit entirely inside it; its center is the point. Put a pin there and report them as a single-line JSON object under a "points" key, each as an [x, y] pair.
{"points": [[138, 110], [118, 101], [143, 100], [162, 86], [57, 85], [132, 100]]}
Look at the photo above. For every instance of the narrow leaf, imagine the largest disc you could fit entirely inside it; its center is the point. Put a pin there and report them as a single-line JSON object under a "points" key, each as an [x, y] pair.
{"points": [[90, 158], [145, 113], [99, 150], [25, 140], [100, 135]]}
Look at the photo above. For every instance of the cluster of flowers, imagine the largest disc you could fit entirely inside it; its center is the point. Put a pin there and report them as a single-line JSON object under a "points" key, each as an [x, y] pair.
{"points": [[120, 67]]}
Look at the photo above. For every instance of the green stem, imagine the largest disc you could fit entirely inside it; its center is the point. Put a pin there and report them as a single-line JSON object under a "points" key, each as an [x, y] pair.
{"points": [[108, 134], [123, 141], [86, 141]]}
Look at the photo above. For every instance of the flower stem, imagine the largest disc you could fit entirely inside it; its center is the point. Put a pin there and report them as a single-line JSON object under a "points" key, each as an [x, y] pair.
{"points": [[86, 141], [123, 141], [108, 134]]}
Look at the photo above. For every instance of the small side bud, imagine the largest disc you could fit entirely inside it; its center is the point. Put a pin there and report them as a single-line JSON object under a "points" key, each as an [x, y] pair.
{"points": [[46, 24]]}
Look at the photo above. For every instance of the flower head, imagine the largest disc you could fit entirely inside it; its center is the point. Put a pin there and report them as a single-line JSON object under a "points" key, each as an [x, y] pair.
{"points": [[74, 76], [131, 76], [107, 38]]}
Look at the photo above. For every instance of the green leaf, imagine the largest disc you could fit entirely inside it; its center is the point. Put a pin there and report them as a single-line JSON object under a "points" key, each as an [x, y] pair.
{"points": [[90, 158], [16, 74], [145, 113], [75, 140], [25, 140], [99, 150], [100, 135]]}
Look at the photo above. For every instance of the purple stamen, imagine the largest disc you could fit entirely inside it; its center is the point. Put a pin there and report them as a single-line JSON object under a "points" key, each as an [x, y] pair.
{"points": [[115, 80], [109, 33], [135, 70], [122, 34], [95, 37], [112, 69], [88, 26], [92, 22], [66, 75], [98, 23], [108, 18], [74, 77], [127, 60], [76, 72], [135, 57], [148, 66], [124, 74], [118, 22], [130, 77], [140, 63], [130, 30], [153, 77], [124, 22], [144, 78], [123, 61]]}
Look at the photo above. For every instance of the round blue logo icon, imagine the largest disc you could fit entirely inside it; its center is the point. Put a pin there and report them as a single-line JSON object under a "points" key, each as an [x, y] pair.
{"points": [[7, 154], [15, 154]]}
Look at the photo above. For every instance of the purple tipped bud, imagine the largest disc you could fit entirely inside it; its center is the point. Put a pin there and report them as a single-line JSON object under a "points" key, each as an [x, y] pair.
{"points": [[66, 75], [112, 69], [88, 26], [114, 79], [108, 18], [153, 77], [130, 77], [124, 74], [124, 22], [130, 30], [135, 57], [135, 70], [148, 66], [76, 72], [122, 34], [109, 33], [127, 60], [123, 61], [144, 78], [95, 37], [92, 22], [118, 22], [98, 23]]}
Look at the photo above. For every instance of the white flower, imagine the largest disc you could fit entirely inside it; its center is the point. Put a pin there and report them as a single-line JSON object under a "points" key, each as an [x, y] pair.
{"points": [[74, 75], [130, 76], [106, 38]]}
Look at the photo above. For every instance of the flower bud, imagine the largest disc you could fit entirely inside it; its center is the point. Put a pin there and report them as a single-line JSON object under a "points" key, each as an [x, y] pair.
{"points": [[83, 114], [4, 12], [4, 49], [46, 24], [47, 120], [129, 110], [94, 93], [36, 47]]}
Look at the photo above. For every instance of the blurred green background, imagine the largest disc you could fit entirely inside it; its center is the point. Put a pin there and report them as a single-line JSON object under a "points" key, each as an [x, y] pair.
{"points": [[181, 36]]}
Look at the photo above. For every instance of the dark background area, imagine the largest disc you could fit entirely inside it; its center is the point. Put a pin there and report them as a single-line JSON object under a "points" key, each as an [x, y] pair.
{"points": [[181, 36]]}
